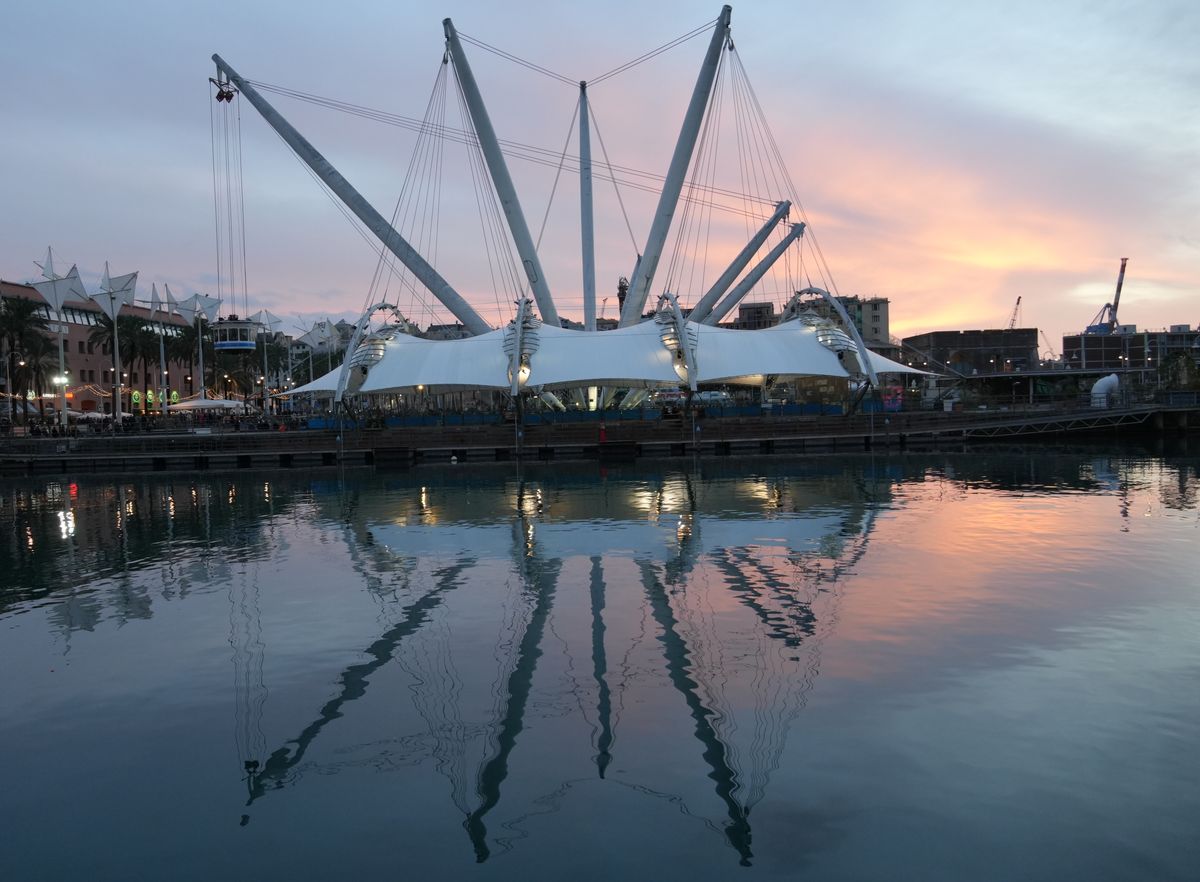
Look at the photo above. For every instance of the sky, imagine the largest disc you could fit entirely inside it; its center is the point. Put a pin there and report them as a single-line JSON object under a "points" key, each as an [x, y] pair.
{"points": [[948, 156]]}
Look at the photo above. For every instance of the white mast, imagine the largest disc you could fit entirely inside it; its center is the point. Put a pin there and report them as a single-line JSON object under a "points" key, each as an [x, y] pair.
{"points": [[501, 179], [639, 286], [585, 212], [332, 178], [56, 289]]}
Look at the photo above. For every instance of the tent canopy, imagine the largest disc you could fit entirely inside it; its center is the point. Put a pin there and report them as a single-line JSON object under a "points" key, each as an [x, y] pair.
{"points": [[208, 404], [633, 356]]}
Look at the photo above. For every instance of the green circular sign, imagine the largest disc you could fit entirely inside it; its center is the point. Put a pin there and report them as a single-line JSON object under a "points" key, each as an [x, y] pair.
{"points": [[136, 397], [175, 397]]}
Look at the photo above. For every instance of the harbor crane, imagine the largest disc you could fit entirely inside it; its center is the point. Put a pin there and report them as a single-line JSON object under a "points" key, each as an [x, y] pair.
{"points": [[1105, 321], [1012, 322]]}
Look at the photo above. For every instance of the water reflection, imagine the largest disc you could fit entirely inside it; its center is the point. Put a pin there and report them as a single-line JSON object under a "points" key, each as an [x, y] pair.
{"points": [[657, 631]]}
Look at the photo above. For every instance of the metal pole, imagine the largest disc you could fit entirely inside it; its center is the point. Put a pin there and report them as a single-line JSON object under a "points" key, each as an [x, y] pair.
{"points": [[200, 346], [585, 212], [501, 179], [162, 370], [264, 383], [704, 305], [639, 286], [62, 375], [112, 301], [373, 220]]}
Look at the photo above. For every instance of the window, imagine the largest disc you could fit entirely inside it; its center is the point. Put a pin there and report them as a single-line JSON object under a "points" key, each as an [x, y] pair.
{"points": [[91, 376], [104, 377], [81, 347], [90, 347]]}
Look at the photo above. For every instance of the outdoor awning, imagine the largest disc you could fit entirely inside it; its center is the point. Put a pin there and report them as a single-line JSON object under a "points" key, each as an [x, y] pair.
{"points": [[627, 357]]}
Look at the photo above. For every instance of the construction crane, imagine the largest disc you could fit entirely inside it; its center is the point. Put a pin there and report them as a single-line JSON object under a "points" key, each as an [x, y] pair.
{"points": [[1012, 322], [1105, 321]]}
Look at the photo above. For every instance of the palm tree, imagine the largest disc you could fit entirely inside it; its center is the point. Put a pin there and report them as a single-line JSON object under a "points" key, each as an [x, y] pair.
{"points": [[184, 350], [41, 365], [146, 347], [128, 327], [19, 319]]}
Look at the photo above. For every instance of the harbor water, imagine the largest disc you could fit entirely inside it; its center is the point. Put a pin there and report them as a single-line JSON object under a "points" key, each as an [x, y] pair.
{"points": [[947, 666]]}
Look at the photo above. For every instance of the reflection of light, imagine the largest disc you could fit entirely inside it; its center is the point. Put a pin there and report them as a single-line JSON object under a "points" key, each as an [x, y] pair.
{"points": [[532, 503], [232, 494], [129, 508], [66, 523], [529, 539], [171, 507], [684, 529], [267, 491], [29, 537], [424, 498]]}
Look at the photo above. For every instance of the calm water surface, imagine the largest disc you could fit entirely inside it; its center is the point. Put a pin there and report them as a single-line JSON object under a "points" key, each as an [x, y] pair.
{"points": [[977, 666]]}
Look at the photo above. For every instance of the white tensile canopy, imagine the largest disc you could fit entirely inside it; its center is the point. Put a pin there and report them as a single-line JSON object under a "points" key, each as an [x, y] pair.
{"points": [[208, 404], [634, 356], [441, 365]]}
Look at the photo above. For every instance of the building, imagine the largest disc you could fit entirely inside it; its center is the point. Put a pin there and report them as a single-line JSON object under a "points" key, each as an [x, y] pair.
{"points": [[1001, 350], [90, 373], [869, 315], [1129, 349], [752, 316]]}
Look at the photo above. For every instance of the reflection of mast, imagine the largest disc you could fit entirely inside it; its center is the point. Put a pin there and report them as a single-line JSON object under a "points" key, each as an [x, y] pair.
{"points": [[541, 579], [249, 687], [354, 679], [600, 669], [716, 753]]}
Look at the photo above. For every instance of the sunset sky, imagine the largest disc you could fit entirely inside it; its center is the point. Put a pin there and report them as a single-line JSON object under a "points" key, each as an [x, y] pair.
{"points": [[949, 156]]}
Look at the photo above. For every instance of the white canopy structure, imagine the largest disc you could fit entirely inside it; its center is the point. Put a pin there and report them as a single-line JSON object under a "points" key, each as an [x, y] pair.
{"points": [[646, 355], [209, 404]]}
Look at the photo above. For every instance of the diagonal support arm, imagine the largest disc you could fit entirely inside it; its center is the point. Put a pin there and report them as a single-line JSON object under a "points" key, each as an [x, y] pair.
{"points": [[501, 179], [363, 210], [639, 286]]}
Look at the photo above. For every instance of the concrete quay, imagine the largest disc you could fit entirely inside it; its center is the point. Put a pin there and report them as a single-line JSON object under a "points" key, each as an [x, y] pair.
{"points": [[622, 440]]}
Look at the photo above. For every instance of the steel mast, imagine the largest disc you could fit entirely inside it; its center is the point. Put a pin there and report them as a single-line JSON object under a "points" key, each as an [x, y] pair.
{"points": [[585, 212], [501, 179], [643, 277], [332, 178]]}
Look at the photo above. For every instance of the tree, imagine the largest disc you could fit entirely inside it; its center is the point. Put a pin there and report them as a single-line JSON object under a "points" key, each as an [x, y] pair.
{"points": [[1179, 371], [41, 365], [19, 320], [128, 327], [146, 348]]}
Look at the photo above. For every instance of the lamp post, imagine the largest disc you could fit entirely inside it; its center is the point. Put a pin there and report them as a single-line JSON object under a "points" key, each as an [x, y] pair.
{"points": [[22, 397]]}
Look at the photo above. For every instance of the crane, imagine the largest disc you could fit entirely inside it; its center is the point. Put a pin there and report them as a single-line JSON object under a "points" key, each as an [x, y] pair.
{"points": [[1105, 321], [1012, 322]]}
